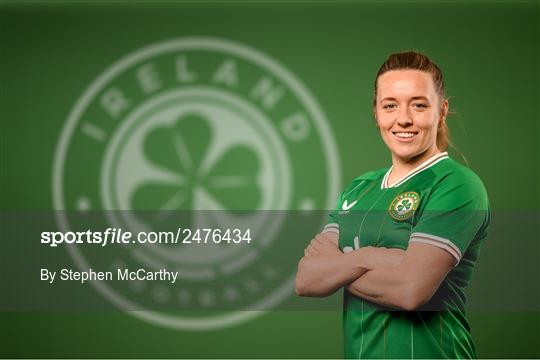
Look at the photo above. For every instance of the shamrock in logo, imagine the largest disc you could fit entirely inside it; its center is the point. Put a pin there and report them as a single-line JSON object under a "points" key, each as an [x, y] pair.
{"points": [[187, 167], [404, 206]]}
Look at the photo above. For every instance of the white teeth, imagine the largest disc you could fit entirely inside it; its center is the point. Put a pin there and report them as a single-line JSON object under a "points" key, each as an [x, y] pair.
{"points": [[404, 134]]}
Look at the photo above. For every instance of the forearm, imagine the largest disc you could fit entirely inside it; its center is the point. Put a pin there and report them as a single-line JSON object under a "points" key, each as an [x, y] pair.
{"points": [[323, 275], [380, 257], [385, 286], [409, 285]]}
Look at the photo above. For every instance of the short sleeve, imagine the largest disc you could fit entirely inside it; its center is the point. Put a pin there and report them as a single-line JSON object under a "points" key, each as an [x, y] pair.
{"points": [[332, 224], [456, 212]]}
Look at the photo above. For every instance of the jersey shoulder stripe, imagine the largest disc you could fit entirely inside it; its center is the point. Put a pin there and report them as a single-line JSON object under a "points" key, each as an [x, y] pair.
{"points": [[451, 175], [360, 180], [458, 171]]}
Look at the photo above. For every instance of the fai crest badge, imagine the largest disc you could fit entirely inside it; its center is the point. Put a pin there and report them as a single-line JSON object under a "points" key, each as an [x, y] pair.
{"points": [[403, 205], [184, 126]]}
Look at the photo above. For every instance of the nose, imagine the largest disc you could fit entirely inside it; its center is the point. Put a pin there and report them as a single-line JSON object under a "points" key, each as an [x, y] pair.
{"points": [[404, 117]]}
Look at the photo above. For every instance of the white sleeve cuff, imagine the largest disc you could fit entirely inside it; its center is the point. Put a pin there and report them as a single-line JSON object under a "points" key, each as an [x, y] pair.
{"points": [[438, 242], [332, 227]]}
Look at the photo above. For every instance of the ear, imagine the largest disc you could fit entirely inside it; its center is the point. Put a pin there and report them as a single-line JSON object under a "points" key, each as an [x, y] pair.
{"points": [[374, 111], [444, 110]]}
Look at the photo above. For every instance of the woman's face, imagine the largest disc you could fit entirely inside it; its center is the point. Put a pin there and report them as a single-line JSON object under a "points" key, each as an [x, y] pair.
{"points": [[408, 112]]}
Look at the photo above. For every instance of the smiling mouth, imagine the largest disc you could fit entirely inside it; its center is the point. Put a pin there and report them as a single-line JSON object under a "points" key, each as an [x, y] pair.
{"points": [[405, 135]]}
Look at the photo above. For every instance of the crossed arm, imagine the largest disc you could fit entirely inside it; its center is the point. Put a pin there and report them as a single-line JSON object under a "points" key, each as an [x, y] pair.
{"points": [[404, 279]]}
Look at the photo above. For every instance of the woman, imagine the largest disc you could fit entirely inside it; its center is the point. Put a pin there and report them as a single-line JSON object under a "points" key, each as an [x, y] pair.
{"points": [[403, 241]]}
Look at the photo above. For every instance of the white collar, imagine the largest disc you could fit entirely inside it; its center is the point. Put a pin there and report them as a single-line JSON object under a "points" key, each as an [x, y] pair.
{"points": [[423, 166]]}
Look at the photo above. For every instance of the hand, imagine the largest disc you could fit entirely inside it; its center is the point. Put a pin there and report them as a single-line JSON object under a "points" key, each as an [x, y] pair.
{"points": [[323, 245]]}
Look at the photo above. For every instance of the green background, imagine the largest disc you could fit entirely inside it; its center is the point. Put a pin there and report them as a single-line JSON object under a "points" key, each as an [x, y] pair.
{"points": [[50, 52]]}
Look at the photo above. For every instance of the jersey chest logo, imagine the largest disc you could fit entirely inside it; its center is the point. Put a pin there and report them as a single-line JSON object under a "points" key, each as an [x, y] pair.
{"points": [[403, 205]]}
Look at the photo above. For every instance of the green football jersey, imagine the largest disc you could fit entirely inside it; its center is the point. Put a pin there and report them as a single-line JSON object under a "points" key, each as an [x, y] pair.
{"points": [[441, 203]]}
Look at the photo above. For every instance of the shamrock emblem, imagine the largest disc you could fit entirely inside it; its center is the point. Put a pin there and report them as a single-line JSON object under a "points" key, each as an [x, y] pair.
{"points": [[187, 166], [404, 206]]}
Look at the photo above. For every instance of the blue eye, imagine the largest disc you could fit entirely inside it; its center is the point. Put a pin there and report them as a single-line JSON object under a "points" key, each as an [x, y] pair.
{"points": [[389, 106], [421, 106]]}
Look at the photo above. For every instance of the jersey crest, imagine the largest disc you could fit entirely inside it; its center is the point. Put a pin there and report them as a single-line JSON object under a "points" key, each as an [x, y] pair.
{"points": [[403, 205]]}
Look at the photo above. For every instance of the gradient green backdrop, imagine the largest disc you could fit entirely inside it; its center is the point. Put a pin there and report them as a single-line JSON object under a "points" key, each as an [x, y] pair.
{"points": [[50, 52]]}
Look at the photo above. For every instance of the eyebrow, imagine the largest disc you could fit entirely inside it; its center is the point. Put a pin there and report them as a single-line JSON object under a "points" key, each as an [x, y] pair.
{"points": [[413, 98]]}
